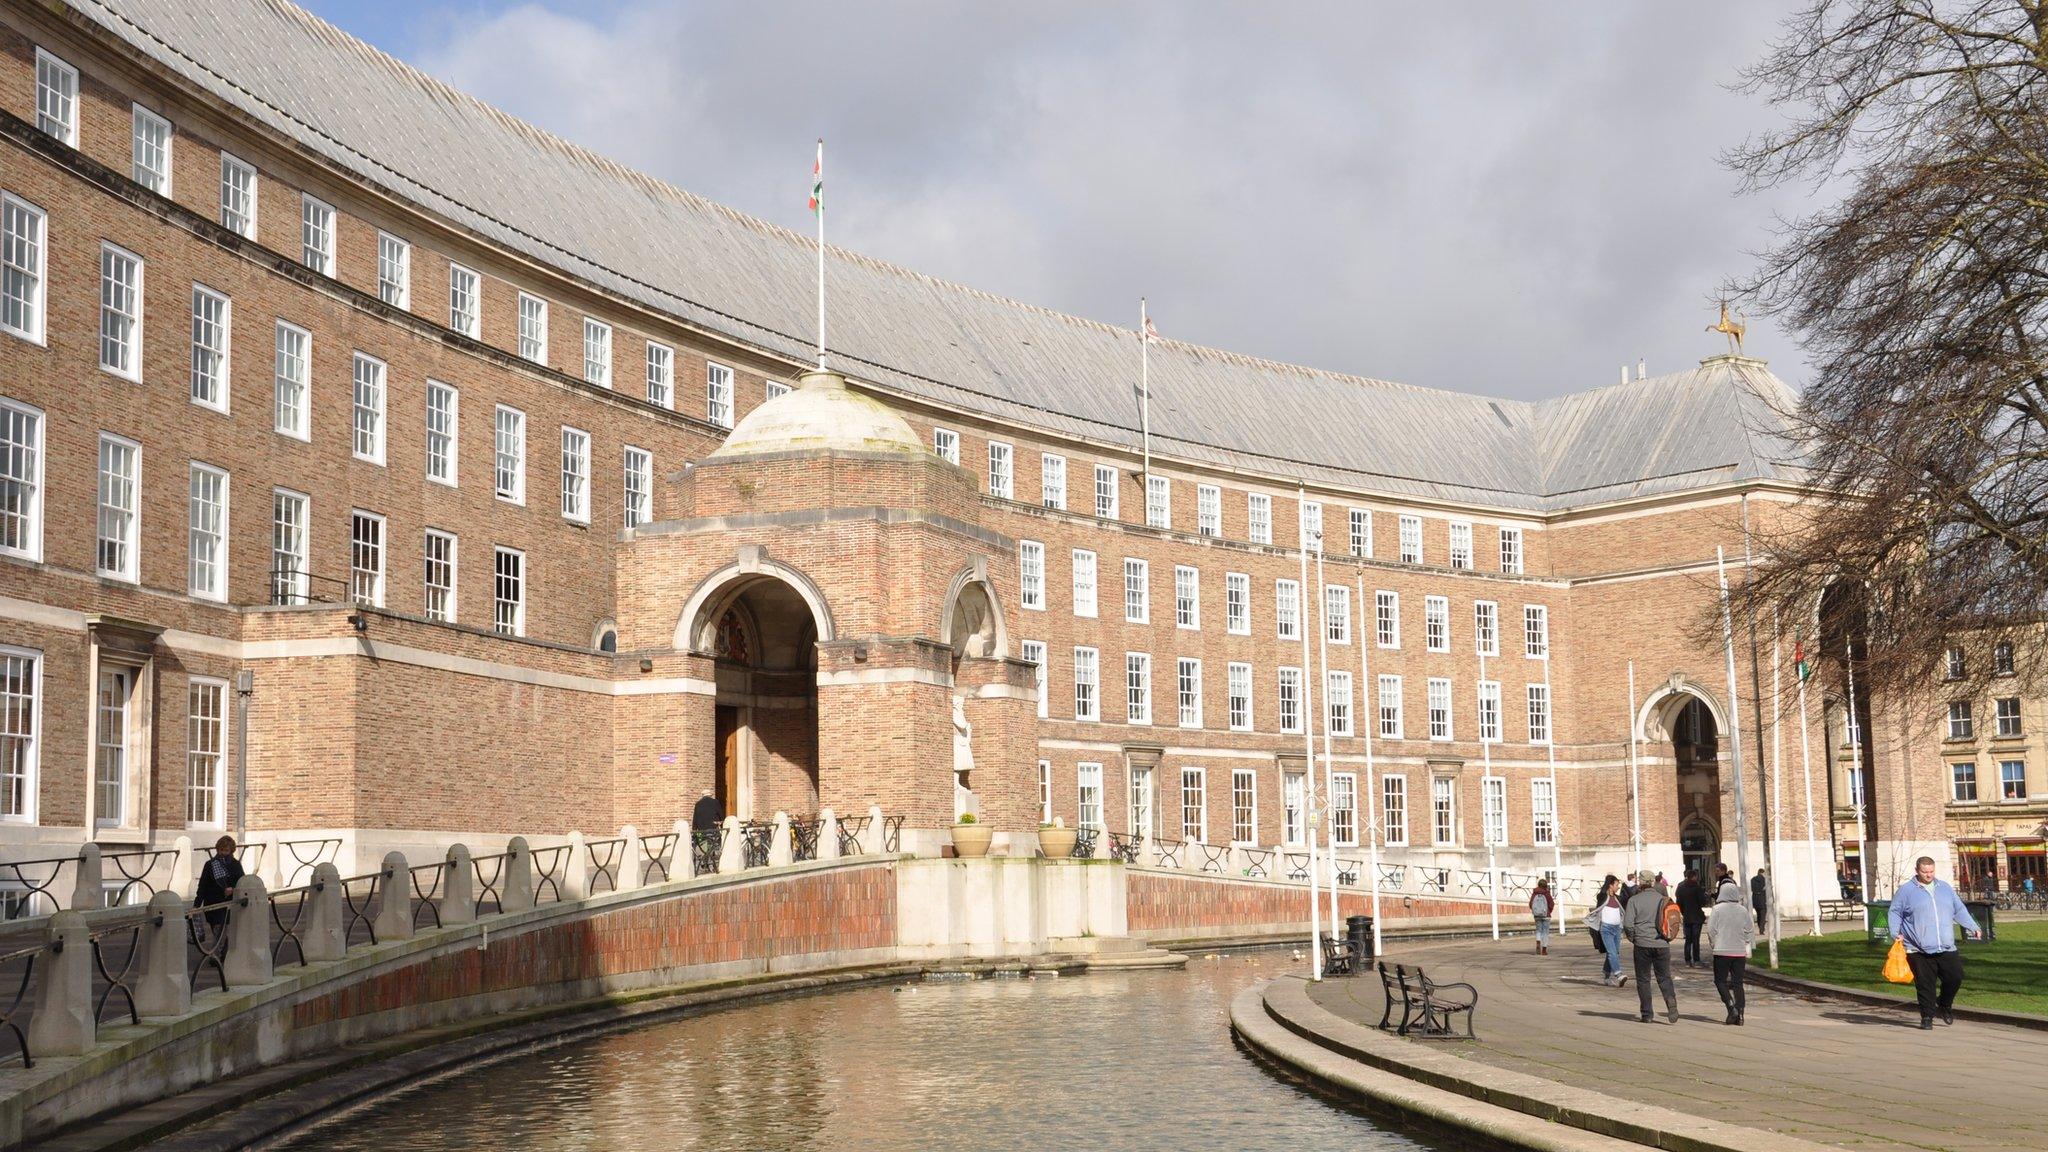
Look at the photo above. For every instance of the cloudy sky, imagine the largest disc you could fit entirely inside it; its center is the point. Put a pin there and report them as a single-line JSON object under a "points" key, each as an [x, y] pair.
{"points": [[1507, 199]]}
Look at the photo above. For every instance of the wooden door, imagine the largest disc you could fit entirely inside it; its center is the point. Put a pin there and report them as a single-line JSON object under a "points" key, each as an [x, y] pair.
{"points": [[726, 780]]}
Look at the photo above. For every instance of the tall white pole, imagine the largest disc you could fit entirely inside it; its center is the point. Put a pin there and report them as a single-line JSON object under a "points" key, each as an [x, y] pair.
{"points": [[1806, 767], [1859, 788], [1734, 727], [819, 182], [1329, 778], [1370, 721], [1635, 783], [1556, 798], [1308, 738], [1145, 388], [1777, 788], [1486, 791]]}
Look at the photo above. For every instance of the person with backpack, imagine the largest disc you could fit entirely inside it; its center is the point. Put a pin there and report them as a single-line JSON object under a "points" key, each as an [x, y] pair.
{"points": [[1541, 906], [1650, 921], [1731, 936]]}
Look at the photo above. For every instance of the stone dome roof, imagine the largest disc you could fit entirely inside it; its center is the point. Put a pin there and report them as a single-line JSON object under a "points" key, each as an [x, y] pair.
{"points": [[820, 414]]}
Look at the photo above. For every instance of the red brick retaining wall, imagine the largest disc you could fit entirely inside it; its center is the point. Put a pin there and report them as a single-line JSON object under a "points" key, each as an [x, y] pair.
{"points": [[841, 910]]}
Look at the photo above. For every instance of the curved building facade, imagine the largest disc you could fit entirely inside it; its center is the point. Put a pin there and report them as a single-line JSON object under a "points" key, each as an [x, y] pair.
{"points": [[494, 479]]}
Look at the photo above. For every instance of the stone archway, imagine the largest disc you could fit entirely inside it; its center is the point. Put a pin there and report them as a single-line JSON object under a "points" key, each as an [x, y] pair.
{"points": [[1683, 724], [761, 630]]}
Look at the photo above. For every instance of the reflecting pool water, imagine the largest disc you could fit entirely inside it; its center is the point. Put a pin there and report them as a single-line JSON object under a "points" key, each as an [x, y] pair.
{"points": [[1138, 1060]]}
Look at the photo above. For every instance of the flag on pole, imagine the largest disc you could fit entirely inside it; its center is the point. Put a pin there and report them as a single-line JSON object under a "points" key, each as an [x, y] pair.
{"points": [[818, 179], [1799, 660], [1151, 333]]}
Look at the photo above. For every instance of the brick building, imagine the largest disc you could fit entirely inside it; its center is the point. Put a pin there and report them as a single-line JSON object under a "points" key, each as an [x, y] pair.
{"points": [[470, 450]]}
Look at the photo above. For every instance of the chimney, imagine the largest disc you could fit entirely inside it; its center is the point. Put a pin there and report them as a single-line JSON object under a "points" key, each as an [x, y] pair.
{"points": [[1642, 368], [1624, 373]]}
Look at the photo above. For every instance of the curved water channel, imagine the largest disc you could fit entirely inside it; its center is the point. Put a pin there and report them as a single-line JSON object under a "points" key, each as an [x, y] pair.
{"points": [[1134, 1060]]}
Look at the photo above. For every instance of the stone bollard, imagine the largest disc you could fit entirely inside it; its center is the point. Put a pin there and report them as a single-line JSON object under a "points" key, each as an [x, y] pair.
{"points": [[182, 878], [394, 900], [323, 935], [576, 870], [164, 987], [247, 960], [515, 884], [778, 842], [732, 855], [874, 837], [63, 1022], [828, 835], [87, 893], [458, 887], [1149, 854], [1101, 849], [632, 860], [682, 861]]}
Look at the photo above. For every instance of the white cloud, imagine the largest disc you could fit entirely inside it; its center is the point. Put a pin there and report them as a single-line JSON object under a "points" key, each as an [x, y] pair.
{"points": [[1504, 200]]}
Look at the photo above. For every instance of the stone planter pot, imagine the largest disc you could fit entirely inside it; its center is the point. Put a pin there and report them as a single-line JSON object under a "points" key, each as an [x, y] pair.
{"points": [[972, 839], [1056, 843]]}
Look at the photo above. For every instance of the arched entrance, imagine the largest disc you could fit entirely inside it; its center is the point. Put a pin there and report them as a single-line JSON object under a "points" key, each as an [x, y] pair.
{"points": [[1681, 716], [761, 631]]}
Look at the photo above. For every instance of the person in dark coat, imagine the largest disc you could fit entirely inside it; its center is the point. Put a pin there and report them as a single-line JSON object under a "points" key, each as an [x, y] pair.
{"points": [[1692, 904], [217, 880], [708, 813], [1760, 897]]}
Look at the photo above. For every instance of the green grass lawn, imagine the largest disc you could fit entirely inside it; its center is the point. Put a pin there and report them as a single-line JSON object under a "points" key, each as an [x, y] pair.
{"points": [[2009, 974]]}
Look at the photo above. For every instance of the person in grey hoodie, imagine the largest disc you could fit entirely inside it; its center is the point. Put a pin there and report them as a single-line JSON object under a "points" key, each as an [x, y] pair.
{"points": [[1731, 935], [1652, 950]]}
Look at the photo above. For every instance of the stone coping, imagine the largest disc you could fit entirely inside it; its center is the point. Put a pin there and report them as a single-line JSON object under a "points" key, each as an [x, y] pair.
{"points": [[1545, 1106], [21, 1089], [1867, 998], [236, 1113]]}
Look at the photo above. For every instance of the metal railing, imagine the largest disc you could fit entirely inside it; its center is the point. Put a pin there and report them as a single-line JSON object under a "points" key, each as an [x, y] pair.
{"points": [[20, 1004], [755, 839], [604, 858], [1125, 847], [851, 831], [657, 855], [707, 845], [291, 585], [298, 858], [803, 838]]}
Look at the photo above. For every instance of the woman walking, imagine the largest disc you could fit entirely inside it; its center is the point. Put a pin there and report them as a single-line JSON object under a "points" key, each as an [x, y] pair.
{"points": [[1607, 913], [1541, 906], [1731, 934]]}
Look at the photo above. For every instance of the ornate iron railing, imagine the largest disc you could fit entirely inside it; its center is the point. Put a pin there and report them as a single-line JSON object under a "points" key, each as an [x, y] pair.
{"points": [[850, 831], [489, 874], [892, 833], [1124, 847], [1214, 858], [1085, 838], [208, 938], [1347, 872], [298, 858], [605, 856], [1435, 881], [1474, 883], [426, 894], [707, 846], [550, 867], [657, 855], [755, 837], [300, 900], [1394, 876], [21, 1003], [133, 869], [1169, 851], [31, 883], [803, 838], [360, 896], [128, 934], [1258, 863], [1297, 865]]}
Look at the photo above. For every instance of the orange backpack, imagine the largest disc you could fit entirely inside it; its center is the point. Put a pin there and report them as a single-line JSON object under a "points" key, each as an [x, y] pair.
{"points": [[1670, 920]]}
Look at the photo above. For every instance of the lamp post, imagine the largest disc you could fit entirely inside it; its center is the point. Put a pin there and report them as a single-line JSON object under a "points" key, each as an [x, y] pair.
{"points": [[245, 686]]}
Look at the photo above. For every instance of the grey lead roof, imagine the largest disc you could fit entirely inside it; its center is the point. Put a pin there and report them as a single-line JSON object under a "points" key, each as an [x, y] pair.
{"points": [[625, 232]]}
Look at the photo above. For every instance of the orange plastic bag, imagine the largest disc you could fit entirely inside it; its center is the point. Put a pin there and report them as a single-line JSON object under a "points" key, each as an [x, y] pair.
{"points": [[1896, 969]]}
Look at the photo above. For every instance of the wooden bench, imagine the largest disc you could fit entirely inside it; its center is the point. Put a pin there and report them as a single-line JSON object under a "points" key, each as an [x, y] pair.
{"points": [[1428, 1008], [1841, 910], [1337, 957]]}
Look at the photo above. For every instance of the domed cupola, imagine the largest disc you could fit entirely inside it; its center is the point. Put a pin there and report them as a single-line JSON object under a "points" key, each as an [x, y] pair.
{"points": [[820, 414]]}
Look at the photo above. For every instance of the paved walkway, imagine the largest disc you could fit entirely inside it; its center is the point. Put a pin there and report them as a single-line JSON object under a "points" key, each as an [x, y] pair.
{"points": [[1820, 1070]]}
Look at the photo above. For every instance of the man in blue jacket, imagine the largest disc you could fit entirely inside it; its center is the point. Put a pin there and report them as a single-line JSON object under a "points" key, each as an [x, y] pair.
{"points": [[1925, 912]]}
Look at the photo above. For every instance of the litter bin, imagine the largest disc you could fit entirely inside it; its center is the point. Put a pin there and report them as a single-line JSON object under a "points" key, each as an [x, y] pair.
{"points": [[1981, 911], [1358, 930], [1879, 924]]}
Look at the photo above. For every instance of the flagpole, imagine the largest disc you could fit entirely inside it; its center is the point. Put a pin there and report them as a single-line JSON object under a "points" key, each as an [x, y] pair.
{"points": [[1372, 816], [1806, 767], [1556, 799], [1777, 748], [818, 199], [1308, 737], [1145, 388], [1734, 725], [1859, 788], [1635, 783], [1485, 786], [1323, 717]]}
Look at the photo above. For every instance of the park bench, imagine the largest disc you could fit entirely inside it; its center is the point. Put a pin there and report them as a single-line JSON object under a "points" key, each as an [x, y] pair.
{"points": [[1427, 1007], [1841, 910], [1337, 957]]}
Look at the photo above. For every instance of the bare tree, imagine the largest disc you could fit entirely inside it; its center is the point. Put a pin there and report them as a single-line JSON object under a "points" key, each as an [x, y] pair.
{"points": [[1921, 296]]}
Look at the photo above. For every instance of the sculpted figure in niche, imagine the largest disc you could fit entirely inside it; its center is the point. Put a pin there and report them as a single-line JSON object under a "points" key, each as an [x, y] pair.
{"points": [[974, 631], [963, 762]]}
